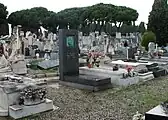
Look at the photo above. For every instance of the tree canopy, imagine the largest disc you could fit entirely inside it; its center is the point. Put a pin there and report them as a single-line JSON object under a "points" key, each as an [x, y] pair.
{"points": [[108, 13], [158, 21], [3, 21], [99, 17], [3, 13], [148, 37], [141, 28], [29, 18]]}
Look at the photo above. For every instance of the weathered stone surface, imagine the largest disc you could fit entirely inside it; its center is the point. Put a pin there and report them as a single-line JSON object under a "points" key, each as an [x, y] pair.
{"points": [[40, 75], [3, 62], [54, 56], [48, 64], [51, 74], [23, 111], [19, 67], [33, 76]]}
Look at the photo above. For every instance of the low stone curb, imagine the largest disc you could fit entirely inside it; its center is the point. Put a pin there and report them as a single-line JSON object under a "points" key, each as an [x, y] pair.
{"points": [[43, 75], [49, 79]]}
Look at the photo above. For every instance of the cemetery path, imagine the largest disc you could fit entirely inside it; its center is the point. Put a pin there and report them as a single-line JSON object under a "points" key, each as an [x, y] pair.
{"points": [[112, 104]]}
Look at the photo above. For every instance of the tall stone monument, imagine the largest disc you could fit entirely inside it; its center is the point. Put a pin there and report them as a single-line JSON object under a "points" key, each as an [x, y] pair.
{"points": [[68, 42]]}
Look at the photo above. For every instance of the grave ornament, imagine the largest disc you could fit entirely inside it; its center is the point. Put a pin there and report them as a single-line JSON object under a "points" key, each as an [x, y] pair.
{"points": [[151, 49]]}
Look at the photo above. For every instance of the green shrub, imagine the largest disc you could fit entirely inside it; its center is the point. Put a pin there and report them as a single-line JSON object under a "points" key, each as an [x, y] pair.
{"points": [[148, 37]]}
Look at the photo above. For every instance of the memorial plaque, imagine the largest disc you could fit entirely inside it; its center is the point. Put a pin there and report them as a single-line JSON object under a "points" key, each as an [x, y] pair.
{"points": [[70, 41]]}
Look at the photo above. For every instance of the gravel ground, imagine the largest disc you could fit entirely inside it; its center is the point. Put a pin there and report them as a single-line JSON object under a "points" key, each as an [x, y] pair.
{"points": [[112, 104]]}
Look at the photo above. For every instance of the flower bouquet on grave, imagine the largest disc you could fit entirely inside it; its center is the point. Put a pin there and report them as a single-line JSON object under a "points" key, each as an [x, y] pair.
{"points": [[89, 65]]}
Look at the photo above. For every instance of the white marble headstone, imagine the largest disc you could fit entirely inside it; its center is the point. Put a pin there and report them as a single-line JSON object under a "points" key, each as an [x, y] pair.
{"points": [[47, 46], [30, 40], [151, 46], [118, 35], [28, 34]]}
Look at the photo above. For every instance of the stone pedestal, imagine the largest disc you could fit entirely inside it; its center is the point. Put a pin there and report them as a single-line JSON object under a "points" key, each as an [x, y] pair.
{"points": [[16, 111], [19, 68], [146, 76], [87, 82], [157, 71], [117, 76], [15, 91]]}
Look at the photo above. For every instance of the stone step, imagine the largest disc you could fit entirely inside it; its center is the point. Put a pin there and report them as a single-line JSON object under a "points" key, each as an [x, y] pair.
{"points": [[3, 112], [42, 75], [48, 80], [18, 112]]}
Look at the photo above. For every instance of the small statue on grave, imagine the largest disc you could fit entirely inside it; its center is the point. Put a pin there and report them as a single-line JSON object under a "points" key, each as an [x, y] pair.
{"points": [[151, 49]]}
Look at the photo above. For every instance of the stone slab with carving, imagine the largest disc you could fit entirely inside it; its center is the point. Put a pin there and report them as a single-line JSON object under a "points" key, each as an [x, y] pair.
{"points": [[21, 97]]}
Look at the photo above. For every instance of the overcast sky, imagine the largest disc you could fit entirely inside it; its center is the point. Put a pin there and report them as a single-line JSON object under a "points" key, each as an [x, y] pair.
{"points": [[142, 6]]}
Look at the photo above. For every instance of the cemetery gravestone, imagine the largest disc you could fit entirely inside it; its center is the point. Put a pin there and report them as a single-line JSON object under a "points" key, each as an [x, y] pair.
{"points": [[131, 52], [69, 64], [118, 35], [68, 41]]}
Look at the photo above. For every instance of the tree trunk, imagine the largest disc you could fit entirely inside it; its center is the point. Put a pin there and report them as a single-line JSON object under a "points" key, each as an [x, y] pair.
{"points": [[119, 26]]}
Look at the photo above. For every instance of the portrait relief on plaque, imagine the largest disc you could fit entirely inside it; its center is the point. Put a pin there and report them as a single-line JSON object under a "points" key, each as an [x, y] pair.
{"points": [[70, 42]]}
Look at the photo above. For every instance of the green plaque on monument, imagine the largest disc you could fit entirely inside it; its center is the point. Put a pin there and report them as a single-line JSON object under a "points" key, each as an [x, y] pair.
{"points": [[70, 42]]}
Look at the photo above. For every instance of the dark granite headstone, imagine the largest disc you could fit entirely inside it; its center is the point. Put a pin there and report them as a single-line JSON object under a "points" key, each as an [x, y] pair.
{"points": [[131, 52], [68, 53], [27, 52]]}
